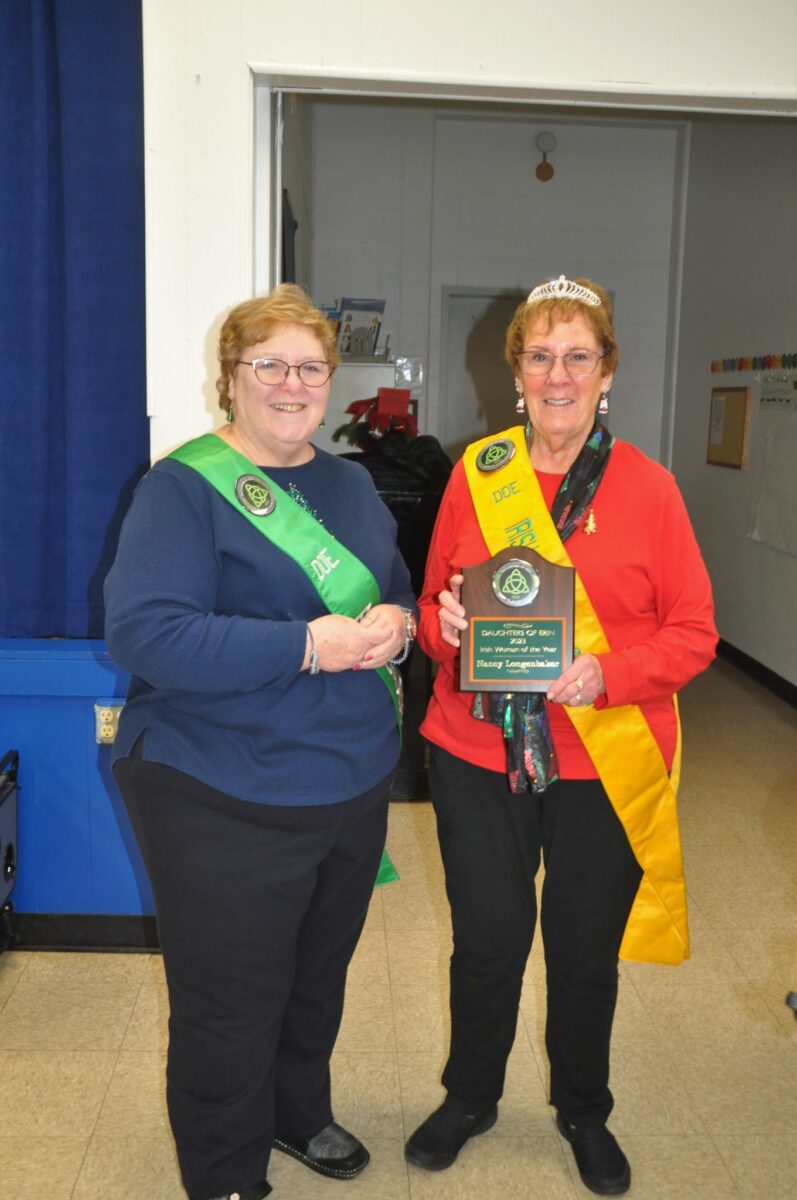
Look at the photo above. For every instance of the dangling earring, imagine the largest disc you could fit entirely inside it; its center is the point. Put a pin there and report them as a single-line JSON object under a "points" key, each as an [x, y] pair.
{"points": [[603, 403], [322, 424], [230, 417], [521, 403]]}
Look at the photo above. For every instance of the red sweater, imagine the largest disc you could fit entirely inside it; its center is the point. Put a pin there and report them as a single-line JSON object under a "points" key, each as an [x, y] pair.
{"points": [[644, 574]]}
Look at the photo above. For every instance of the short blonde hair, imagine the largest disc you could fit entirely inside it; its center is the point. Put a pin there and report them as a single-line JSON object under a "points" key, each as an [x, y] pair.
{"points": [[256, 320], [556, 308]]}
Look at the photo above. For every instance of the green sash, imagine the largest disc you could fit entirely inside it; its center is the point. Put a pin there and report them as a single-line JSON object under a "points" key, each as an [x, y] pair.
{"points": [[345, 584]]}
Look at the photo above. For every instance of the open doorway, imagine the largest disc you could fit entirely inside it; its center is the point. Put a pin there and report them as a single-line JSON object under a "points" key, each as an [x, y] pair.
{"points": [[476, 384], [432, 204]]}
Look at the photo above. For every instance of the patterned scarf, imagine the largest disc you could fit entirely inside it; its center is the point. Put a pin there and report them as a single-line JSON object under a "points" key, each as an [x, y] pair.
{"points": [[523, 717]]}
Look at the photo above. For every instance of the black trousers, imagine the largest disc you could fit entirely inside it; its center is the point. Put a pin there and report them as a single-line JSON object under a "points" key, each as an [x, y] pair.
{"points": [[491, 842], [259, 911]]}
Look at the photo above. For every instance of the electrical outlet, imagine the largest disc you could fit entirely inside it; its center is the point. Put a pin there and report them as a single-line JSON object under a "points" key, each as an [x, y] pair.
{"points": [[106, 720]]}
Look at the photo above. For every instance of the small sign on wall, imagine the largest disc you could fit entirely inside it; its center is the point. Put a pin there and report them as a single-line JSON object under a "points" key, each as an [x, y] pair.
{"points": [[727, 429]]}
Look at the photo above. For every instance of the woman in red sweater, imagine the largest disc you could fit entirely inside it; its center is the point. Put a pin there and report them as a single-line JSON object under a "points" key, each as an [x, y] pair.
{"points": [[583, 776]]}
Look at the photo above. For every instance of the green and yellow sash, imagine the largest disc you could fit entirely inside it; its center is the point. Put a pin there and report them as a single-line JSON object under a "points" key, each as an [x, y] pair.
{"points": [[511, 510]]}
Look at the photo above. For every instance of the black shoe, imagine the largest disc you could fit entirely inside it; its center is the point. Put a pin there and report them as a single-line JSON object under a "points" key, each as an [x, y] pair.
{"points": [[601, 1163], [437, 1142], [333, 1152]]}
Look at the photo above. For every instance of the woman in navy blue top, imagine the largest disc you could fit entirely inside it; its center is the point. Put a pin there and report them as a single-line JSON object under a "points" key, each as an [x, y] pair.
{"points": [[259, 600]]}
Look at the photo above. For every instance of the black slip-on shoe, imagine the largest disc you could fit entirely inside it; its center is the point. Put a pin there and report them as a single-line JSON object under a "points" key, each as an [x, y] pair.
{"points": [[603, 1167], [437, 1142], [334, 1152]]}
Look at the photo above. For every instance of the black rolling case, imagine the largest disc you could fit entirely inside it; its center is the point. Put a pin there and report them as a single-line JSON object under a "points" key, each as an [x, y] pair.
{"points": [[8, 848]]}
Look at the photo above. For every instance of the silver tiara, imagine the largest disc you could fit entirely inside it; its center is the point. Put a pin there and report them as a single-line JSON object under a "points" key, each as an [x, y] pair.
{"points": [[563, 289]]}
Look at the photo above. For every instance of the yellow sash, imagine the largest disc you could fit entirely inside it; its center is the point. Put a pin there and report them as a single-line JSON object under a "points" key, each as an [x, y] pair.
{"points": [[511, 511]]}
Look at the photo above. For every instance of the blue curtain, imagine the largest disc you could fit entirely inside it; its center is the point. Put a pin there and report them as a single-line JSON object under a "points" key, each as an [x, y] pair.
{"points": [[73, 426]]}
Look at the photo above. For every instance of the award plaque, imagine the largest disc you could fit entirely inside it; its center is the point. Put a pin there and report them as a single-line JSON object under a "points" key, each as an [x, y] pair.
{"points": [[520, 623]]}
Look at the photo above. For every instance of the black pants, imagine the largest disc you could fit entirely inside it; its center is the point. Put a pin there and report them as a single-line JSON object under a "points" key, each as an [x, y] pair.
{"points": [[491, 843], [259, 911]]}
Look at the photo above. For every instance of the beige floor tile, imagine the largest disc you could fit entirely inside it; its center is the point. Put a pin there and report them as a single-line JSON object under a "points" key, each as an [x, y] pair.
{"points": [[762, 1166], [366, 1093], [368, 1012], [61, 967], [676, 1168], [416, 902], [738, 1083], [385, 1177], [12, 967], [45, 1014], [768, 960], [135, 1104], [33, 1167], [148, 1027], [419, 985], [53, 1094], [412, 831], [130, 1168], [649, 1092], [491, 1167], [709, 985]]}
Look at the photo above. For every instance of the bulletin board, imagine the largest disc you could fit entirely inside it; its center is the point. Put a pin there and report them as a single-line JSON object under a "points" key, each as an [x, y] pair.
{"points": [[729, 421]]}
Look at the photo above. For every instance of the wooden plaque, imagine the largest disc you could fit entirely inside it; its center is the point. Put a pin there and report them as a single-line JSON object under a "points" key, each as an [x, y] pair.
{"points": [[520, 610]]}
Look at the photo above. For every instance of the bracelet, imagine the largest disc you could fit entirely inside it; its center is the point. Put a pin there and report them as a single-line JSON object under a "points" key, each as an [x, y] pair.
{"points": [[314, 666], [410, 629]]}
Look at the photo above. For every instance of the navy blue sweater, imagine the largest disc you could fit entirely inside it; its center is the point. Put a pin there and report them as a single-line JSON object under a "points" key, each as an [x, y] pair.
{"points": [[210, 619]]}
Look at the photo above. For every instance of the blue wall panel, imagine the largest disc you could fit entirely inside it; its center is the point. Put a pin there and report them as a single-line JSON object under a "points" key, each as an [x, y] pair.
{"points": [[76, 850]]}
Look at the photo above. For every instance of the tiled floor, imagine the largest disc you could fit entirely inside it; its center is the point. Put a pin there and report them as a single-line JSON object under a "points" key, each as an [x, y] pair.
{"points": [[705, 1058]]}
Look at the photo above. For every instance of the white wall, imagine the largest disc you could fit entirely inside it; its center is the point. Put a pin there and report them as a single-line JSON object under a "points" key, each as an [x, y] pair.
{"points": [[410, 199], [739, 298], [199, 59]]}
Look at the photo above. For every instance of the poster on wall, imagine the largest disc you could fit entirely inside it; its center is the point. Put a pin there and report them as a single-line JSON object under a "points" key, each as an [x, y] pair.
{"points": [[360, 322], [773, 517], [727, 429]]}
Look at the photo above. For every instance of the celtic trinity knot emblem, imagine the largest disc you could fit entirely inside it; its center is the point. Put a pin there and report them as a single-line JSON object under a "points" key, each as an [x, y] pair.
{"points": [[515, 584], [495, 455], [254, 495]]}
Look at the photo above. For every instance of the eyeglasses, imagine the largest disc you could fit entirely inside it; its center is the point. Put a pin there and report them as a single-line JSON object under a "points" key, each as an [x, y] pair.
{"points": [[576, 362], [274, 371]]}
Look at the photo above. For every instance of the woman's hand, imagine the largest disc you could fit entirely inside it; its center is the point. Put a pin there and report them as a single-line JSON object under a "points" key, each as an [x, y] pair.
{"points": [[342, 643], [451, 612], [386, 621], [580, 684]]}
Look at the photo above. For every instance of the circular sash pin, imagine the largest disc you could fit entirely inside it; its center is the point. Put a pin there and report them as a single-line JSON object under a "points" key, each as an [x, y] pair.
{"points": [[254, 495], [495, 455]]}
